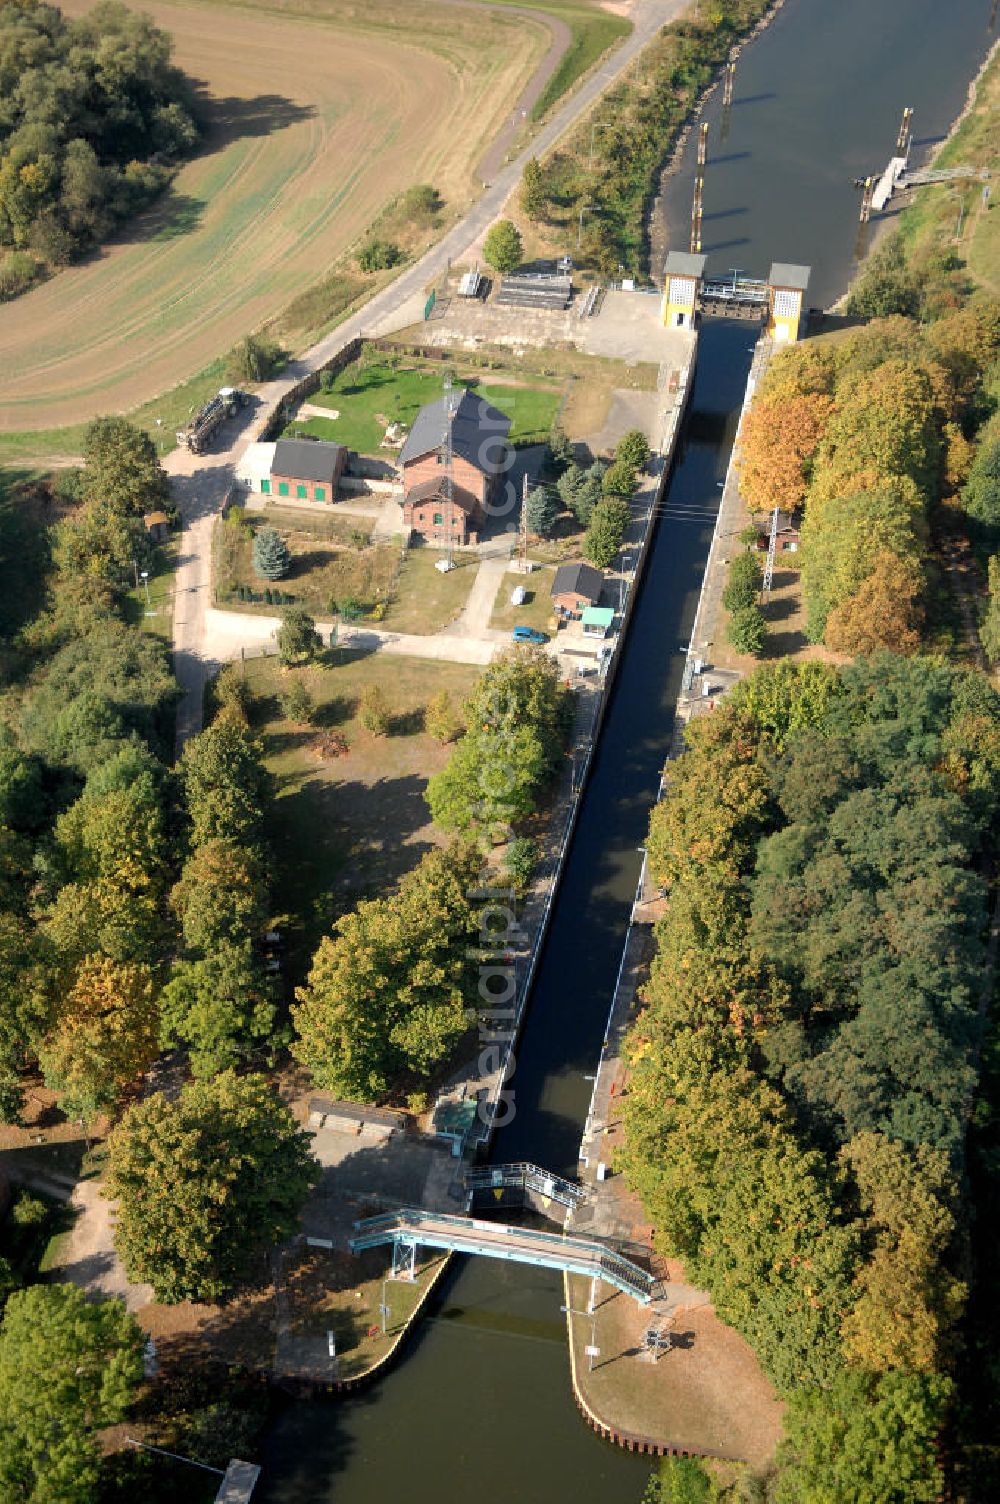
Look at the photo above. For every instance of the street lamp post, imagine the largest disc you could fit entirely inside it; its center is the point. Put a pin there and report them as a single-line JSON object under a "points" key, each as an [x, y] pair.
{"points": [[584, 209], [144, 576], [592, 1350]]}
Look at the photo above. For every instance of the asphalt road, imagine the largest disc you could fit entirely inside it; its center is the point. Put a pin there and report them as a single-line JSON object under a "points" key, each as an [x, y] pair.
{"points": [[201, 481]]}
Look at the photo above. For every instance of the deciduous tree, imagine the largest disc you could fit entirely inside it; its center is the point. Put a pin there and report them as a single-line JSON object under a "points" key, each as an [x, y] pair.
{"points": [[533, 199], [885, 612], [221, 1006], [502, 248], [390, 991], [221, 898], [747, 630], [606, 531], [69, 1366], [105, 1035], [441, 720], [205, 1184], [226, 784], [907, 1301], [298, 639], [122, 469], [864, 1441], [777, 442]]}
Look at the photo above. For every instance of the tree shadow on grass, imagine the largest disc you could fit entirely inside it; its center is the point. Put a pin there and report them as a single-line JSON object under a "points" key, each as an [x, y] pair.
{"points": [[782, 644], [407, 723], [224, 120], [313, 558]]}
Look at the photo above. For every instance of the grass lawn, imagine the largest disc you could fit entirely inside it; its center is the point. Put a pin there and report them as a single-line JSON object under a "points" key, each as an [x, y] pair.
{"points": [[33, 1225], [342, 1293], [346, 827], [935, 210], [325, 571], [537, 609], [425, 600], [333, 562], [367, 397]]}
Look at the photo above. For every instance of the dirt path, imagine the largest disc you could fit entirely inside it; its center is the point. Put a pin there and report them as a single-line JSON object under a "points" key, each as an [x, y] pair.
{"points": [[474, 619], [497, 154], [88, 1256]]}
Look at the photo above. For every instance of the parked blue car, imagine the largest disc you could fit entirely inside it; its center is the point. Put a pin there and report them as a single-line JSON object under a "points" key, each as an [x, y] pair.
{"points": [[528, 634]]}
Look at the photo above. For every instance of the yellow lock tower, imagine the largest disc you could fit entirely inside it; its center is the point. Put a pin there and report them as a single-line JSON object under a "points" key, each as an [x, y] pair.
{"points": [[683, 274], [787, 284]]}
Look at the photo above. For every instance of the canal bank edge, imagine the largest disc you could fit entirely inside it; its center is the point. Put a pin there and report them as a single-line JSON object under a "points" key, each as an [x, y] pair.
{"points": [[637, 949]]}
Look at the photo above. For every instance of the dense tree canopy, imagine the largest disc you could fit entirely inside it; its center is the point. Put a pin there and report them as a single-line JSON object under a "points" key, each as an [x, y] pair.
{"points": [[92, 112], [205, 1183], [390, 991], [69, 1366], [800, 1072], [866, 435]]}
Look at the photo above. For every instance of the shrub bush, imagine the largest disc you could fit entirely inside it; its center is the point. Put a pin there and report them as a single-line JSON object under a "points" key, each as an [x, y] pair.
{"points": [[747, 630]]}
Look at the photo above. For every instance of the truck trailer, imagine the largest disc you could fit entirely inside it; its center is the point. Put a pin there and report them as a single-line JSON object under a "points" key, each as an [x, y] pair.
{"points": [[207, 419]]}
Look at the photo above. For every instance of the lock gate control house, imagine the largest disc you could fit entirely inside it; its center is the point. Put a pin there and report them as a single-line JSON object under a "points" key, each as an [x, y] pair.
{"points": [[575, 587], [480, 458]]}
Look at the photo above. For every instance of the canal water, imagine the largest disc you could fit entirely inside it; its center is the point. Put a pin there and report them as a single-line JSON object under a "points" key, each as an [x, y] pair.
{"points": [[480, 1407], [816, 105]]}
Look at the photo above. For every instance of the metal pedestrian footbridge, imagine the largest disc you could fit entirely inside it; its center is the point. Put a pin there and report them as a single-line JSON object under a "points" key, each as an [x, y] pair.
{"points": [[485, 1181], [410, 1228]]}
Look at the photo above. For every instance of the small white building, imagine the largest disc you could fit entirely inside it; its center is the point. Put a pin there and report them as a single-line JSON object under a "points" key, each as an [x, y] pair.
{"points": [[254, 466]]}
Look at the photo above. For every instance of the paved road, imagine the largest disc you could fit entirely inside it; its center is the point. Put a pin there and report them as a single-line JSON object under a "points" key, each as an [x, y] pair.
{"points": [[201, 481]]}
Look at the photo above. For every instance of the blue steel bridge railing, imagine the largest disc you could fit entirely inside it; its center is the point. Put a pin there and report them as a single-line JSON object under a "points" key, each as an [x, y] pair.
{"points": [[550, 1250]]}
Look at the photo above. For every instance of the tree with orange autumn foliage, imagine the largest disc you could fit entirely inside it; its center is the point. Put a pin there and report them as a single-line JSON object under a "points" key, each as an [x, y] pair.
{"points": [[885, 612], [779, 437], [106, 1034]]}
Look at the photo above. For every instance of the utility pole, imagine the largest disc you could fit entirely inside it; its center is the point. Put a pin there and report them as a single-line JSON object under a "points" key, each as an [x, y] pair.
{"points": [[772, 544], [449, 488], [522, 542]]}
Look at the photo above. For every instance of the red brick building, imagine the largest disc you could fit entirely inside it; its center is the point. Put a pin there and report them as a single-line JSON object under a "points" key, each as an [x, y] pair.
{"points": [[305, 470], [575, 587], [480, 460]]}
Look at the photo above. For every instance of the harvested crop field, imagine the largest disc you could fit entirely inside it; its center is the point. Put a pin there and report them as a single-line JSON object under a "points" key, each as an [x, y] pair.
{"points": [[318, 116]]}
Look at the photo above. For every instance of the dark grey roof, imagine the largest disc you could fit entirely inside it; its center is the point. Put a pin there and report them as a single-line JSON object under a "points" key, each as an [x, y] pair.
{"points": [[477, 431], [306, 459], [684, 264], [578, 579], [787, 274]]}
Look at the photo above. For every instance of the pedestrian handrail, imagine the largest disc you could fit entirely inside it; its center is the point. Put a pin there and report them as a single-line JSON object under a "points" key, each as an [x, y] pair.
{"points": [[411, 1227]]}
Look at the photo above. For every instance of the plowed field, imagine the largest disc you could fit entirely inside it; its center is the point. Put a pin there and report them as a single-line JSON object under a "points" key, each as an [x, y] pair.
{"points": [[321, 111]]}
